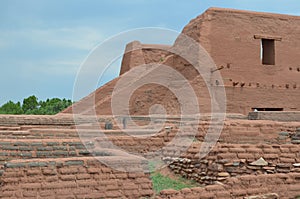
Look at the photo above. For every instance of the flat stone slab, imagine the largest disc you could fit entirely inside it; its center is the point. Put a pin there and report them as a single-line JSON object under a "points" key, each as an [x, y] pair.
{"points": [[259, 162]]}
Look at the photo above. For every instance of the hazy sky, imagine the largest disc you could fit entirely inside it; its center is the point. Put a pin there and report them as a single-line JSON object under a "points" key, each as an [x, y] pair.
{"points": [[43, 42]]}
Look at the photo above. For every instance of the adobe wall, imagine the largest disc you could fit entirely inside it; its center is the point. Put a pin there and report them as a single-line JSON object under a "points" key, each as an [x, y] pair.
{"points": [[243, 100], [229, 37], [40, 162], [72, 178], [232, 172], [42, 148], [137, 54], [40, 157], [234, 132], [230, 160], [274, 115], [133, 56], [39, 134], [242, 96], [233, 40], [275, 186], [59, 120]]}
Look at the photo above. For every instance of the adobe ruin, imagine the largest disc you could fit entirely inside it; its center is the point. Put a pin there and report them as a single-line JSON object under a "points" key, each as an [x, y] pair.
{"points": [[256, 53], [45, 157]]}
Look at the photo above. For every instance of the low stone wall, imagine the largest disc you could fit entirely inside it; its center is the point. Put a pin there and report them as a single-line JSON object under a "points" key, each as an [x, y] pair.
{"points": [[230, 160], [73, 178], [283, 186], [234, 131], [57, 133], [134, 144], [289, 116], [245, 131], [16, 120], [285, 153], [62, 120], [64, 167], [39, 134], [46, 148], [270, 133]]}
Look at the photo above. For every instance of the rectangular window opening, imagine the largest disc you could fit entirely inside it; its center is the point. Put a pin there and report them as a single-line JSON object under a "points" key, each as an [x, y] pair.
{"points": [[268, 51], [267, 109]]}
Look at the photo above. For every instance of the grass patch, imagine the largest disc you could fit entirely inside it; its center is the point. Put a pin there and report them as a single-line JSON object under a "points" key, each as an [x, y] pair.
{"points": [[161, 182]]}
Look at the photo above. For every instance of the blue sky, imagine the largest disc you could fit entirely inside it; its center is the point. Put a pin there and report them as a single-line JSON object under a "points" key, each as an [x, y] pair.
{"points": [[43, 43]]}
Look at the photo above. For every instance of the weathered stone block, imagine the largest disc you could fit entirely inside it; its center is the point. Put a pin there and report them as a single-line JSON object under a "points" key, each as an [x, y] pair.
{"points": [[74, 162], [14, 165], [37, 164]]}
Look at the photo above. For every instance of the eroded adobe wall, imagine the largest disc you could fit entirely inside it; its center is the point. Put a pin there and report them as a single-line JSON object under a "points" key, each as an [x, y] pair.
{"points": [[229, 38], [25, 176], [236, 52], [275, 115], [71, 178], [133, 56], [137, 54], [43, 157], [234, 132], [233, 40], [231, 160], [55, 121], [253, 132], [243, 100], [246, 187], [241, 169], [12, 149]]}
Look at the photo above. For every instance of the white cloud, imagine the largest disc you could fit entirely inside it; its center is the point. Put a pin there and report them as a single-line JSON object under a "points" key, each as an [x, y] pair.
{"points": [[54, 52], [78, 38], [49, 68]]}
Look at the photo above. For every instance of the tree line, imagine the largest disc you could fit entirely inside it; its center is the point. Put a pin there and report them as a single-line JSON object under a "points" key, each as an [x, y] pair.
{"points": [[31, 106]]}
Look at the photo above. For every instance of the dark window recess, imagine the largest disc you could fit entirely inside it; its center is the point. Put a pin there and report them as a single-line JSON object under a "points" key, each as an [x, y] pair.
{"points": [[267, 109], [268, 51]]}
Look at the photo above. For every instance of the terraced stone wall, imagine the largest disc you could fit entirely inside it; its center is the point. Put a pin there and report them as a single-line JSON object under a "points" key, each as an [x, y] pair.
{"points": [[283, 186], [72, 178]]}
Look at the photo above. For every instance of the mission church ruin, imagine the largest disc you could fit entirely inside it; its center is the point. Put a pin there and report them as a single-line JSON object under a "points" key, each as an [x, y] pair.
{"points": [[256, 53]]}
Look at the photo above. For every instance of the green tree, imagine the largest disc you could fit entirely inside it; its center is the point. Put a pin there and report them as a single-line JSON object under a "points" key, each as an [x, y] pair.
{"points": [[54, 105], [30, 105], [11, 108]]}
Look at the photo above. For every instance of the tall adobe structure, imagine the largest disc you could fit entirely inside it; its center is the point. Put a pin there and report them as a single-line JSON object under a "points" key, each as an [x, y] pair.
{"points": [[257, 54]]}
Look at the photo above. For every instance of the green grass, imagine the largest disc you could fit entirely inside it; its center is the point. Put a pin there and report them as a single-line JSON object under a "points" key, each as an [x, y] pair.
{"points": [[161, 182]]}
